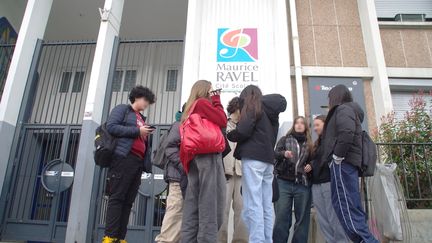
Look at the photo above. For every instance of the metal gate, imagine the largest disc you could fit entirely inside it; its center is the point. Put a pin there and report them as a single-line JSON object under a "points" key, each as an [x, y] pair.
{"points": [[46, 148], [157, 65]]}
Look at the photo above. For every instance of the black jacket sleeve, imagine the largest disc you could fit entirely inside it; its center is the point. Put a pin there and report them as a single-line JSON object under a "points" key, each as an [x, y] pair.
{"points": [[172, 150], [280, 149], [116, 126], [345, 130], [244, 129]]}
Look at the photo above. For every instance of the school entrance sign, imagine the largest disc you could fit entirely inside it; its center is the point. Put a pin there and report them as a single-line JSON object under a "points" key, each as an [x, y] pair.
{"points": [[234, 44]]}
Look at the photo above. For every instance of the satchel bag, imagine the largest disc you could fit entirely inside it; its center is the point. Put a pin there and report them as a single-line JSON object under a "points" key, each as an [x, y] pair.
{"points": [[199, 136]]}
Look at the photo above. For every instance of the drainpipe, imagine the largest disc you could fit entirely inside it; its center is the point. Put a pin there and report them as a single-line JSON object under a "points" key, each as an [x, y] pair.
{"points": [[297, 60]]}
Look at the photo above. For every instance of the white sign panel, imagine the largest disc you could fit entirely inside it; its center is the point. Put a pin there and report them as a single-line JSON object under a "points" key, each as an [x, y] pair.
{"points": [[237, 43]]}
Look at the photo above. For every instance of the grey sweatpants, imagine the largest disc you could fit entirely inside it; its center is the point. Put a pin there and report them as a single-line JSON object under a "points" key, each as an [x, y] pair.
{"points": [[327, 218], [204, 204]]}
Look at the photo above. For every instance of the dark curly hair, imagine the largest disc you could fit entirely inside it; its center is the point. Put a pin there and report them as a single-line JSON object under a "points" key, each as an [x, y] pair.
{"points": [[140, 92], [233, 105]]}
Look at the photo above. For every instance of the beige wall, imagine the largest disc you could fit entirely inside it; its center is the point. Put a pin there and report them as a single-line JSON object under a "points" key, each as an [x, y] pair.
{"points": [[407, 47], [330, 33]]}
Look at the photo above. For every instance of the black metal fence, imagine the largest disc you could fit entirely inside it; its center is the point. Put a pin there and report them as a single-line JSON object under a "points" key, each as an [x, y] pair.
{"points": [[6, 53], [414, 161]]}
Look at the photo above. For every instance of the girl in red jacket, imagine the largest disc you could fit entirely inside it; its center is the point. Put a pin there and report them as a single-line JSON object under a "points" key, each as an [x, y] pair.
{"points": [[205, 195]]}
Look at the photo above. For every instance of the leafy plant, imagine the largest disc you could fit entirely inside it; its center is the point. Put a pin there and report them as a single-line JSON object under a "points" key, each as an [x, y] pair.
{"points": [[408, 143]]}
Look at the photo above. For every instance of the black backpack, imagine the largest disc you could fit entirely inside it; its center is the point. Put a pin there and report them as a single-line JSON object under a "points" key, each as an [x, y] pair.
{"points": [[369, 156], [105, 144]]}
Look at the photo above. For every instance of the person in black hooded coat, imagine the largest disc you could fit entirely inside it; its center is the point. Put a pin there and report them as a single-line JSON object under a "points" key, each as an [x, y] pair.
{"points": [[255, 136], [342, 150]]}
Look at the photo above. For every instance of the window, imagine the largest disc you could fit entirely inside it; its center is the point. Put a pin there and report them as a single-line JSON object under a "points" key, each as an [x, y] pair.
{"points": [[65, 82], [171, 81], [67, 78], [124, 80], [130, 80], [403, 10], [78, 82], [117, 82]]}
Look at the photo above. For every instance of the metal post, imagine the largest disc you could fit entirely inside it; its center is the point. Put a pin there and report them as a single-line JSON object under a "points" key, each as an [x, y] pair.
{"points": [[78, 229]]}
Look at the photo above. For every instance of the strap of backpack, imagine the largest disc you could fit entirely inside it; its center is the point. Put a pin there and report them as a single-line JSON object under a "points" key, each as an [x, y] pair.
{"points": [[126, 114]]}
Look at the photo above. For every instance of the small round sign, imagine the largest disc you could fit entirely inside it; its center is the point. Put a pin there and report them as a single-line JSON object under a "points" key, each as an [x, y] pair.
{"points": [[57, 176], [152, 183]]}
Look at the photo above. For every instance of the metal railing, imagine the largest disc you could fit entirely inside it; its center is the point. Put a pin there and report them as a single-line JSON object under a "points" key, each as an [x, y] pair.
{"points": [[414, 161]]}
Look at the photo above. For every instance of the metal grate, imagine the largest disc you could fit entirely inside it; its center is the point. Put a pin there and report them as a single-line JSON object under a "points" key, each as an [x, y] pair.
{"points": [[62, 81], [147, 63], [6, 53], [414, 162]]}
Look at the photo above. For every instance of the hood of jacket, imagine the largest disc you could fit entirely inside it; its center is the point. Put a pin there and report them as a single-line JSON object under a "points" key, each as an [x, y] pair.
{"points": [[357, 109], [273, 104]]}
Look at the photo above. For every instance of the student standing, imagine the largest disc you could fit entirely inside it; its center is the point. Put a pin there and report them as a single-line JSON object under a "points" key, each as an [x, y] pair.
{"points": [[131, 157], [292, 170], [205, 195], [342, 144], [321, 191], [255, 135], [177, 182], [233, 175]]}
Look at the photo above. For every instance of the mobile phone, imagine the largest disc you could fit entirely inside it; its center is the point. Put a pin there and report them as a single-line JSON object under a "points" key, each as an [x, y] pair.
{"points": [[216, 91], [151, 127]]}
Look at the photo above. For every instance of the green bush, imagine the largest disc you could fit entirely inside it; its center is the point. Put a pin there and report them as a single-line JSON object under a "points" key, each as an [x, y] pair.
{"points": [[408, 143]]}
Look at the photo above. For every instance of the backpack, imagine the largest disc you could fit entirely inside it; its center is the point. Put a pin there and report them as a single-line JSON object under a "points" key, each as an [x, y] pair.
{"points": [[159, 157], [105, 144], [369, 156]]}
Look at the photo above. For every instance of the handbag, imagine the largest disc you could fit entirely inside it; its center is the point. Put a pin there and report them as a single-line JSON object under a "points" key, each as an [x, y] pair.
{"points": [[199, 136]]}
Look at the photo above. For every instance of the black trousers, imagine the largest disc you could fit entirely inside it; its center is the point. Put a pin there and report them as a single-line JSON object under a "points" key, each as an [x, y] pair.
{"points": [[123, 181]]}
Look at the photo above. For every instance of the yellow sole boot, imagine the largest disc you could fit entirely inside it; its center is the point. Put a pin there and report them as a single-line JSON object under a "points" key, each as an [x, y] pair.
{"points": [[108, 239]]}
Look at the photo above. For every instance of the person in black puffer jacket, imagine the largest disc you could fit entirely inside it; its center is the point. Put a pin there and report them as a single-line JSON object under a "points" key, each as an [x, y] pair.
{"points": [[342, 150], [292, 171], [131, 158], [321, 191], [255, 135]]}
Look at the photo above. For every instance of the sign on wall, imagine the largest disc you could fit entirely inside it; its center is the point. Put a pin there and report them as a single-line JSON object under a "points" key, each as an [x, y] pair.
{"points": [[319, 88], [234, 49], [237, 59]]}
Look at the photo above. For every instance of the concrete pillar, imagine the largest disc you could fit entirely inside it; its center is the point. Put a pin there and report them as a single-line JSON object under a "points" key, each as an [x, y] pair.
{"points": [[32, 28], [262, 23], [375, 56], [78, 229]]}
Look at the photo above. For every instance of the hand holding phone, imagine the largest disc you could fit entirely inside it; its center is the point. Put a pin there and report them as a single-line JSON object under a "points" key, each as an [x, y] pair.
{"points": [[145, 130], [215, 92]]}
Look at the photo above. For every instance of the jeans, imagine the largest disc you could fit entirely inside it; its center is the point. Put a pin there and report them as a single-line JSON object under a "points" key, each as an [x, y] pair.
{"points": [[327, 218], [171, 225], [299, 196], [124, 179], [234, 197], [347, 202], [257, 200], [204, 204]]}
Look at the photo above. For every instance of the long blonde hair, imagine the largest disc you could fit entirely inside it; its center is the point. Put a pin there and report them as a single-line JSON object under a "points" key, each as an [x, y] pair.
{"points": [[200, 89]]}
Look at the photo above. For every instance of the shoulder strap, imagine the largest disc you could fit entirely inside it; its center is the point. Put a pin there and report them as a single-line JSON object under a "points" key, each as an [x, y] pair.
{"points": [[192, 108], [126, 114]]}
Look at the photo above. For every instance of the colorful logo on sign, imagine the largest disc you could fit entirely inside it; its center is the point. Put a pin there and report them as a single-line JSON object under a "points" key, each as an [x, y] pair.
{"points": [[237, 45]]}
